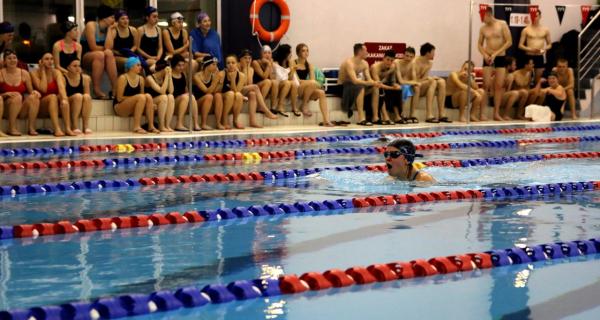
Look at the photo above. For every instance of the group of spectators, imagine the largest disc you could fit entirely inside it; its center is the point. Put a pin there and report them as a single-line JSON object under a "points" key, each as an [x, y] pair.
{"points": [[147, 66]]}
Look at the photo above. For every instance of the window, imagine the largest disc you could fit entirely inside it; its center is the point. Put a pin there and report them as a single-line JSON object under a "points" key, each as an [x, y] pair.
{"points": [[37, 25], [189, 9], [134, 8]]}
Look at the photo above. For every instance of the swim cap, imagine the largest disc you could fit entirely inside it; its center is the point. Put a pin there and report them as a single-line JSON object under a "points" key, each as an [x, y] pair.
{"points": [[176, 16], [120, 13], [201, 16], [176, 59], [104, 12], [132, 61], [266, 48], [160, 65], [149, 10], [407, 149], [67, 26], [6, 27], [244, 53], [208, 60]]}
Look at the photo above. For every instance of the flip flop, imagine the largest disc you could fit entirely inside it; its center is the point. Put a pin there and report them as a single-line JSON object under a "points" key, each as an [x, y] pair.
{"points": [[365, 123], [445, 119], [411, 120], [432, 120], [296, 113], [340, 123], [283, 114], [326, 124]]}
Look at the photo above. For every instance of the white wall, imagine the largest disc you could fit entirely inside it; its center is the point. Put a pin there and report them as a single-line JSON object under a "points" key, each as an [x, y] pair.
{"points": [[331, 27]]}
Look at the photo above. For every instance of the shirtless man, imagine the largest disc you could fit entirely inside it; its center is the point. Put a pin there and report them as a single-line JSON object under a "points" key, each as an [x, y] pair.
{"points": [[457, 91], [429, 85], [566, 79], [384, 72], [494, 39], [522, 83], [354, 76], [406, 75], [511, 95], [535, 41]]}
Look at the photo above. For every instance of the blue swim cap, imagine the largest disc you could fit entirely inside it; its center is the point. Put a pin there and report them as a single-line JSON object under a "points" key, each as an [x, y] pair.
{"points": [[132, 61]]}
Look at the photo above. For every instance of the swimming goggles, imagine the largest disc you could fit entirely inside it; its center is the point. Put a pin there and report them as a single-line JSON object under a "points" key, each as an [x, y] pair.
{"points": [[402, 152]]}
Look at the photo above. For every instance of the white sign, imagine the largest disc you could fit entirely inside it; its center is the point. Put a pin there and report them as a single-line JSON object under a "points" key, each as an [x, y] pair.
{"points": [[519, 19]]}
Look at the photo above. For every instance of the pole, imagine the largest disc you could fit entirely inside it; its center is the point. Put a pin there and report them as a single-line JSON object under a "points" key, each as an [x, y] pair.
{"points": [[470, 67], [189, 86]]}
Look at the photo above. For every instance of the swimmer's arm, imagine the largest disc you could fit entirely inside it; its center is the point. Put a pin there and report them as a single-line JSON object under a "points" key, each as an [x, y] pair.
{"points": [[456, 81], [426, 177], [480, 46], [351, 73], [548, 41], [508, 43], [510, 79], [522, 39], [570, 79], [367, 73]]}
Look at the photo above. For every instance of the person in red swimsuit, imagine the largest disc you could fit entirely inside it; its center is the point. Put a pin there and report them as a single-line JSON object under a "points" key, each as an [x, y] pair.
{"points": [[50, 83], [18, 95]]}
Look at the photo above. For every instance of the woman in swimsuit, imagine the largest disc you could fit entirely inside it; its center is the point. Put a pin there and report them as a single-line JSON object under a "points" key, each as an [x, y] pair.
{"points": [[554, 97], [252, 91], [15, 83], [160, 86], [205, 89], [50, 83], [180, 92], [131, 99], [149, 41], [176, 40], [66, 50], [399, 157], [121, 39], [77, 92], [263, 76], [96, 56], [233, 82], [285, 74], [309, 88]]}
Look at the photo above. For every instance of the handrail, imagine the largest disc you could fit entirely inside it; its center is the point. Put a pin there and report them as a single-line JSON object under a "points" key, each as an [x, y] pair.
{"points": [[588, 63], [590, 23], [591, 41], [580, 70], [597, 77]]}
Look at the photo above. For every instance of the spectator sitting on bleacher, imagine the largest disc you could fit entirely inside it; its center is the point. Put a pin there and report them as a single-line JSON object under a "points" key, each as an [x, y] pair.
{"points": [[408, 76], [67, 49], [522, 82], [77, 91], [149, 41], [206, 92], [354, 76], [252, 91], [49, 81], [431, 86], [390, 92], [309, 87], [176, 40], [458, 91], [566, 78], [206, 41], [180, 91], [263, 76], [7, 33], [511, 96], [160, 86], [130, 97], [121, 40], [285, 75], [20, 98], [232, 84], [96, 56]]}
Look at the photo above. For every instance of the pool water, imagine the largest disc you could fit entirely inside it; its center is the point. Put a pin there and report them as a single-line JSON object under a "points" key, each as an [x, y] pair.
{"points": [[51, 270]]}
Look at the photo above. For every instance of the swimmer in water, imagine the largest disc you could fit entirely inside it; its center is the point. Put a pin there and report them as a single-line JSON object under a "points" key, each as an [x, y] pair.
{"points": [[399, 157]]}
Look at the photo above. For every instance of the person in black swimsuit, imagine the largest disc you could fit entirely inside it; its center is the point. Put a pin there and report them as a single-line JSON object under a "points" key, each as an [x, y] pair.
{"points": [[205, 89], [263, 71], [554, 97], [131, 99], [399, 157], [233, 82], [121, 39], [180, 91], [256, 102], [160, 86], [176, 40], [150, 42], [77, 90], [68, 49]]}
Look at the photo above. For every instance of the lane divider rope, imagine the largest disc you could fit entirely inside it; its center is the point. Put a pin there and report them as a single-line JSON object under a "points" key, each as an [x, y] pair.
{"points": [[41, 151], [97, 185], [260, 156], [191, 297], [142, 221]]}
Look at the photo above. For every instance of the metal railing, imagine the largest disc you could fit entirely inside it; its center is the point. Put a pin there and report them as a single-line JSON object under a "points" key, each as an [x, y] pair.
{"points": [[587, 57]]}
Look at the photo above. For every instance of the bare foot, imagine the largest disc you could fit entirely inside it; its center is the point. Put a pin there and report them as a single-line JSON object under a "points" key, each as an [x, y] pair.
{"points": [[238, 126], [227, 127], [521, 118], [497, 117], [507, 118], [154, 130], [139, 130], [181, 128], [474, 119], [306, 112], [254, 125], [220, 127], [88, 131], [205, 127], [2, 134], [70, 133], [574, 117], [463, 119], [32, 132], [15, 133], [483, 118], [197, 128], [100, 95]]}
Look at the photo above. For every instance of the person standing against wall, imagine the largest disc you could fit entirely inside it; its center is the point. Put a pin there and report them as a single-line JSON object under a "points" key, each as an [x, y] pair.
{"points": [[206, 41], [535, 41]]}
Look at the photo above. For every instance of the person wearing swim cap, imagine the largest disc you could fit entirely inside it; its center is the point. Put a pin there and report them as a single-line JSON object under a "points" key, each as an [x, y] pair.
{"points": [[206, 41], [399, 157]]}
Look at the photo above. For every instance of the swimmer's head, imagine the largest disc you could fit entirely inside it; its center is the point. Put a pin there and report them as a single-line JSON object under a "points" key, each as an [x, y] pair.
{"points": [[529, 65], [399, 156], [360, 50], [489, 15], [511, 64], [466, 65], [388, 58], [409, 54], [427, 50], [552, 79]]}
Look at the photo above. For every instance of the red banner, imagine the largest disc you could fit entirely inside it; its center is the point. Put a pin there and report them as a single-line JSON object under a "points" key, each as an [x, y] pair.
{"points": [[533, 12], [377, 50], [482, 10], [585, 14]]}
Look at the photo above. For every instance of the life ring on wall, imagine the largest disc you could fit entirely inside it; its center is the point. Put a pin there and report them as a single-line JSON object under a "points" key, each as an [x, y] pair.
{"points": [[258, 28]]}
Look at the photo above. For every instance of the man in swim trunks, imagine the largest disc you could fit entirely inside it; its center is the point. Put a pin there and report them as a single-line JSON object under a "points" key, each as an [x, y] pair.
{"points": [[407, 76], [511, 95], [430, 86], [354, 76], [399, 157], [522, 82], [494, 40], [389, 93], [535, 41], [566, 78]]}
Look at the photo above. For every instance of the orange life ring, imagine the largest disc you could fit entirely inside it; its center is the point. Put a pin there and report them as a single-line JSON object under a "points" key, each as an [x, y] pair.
{"points": [[264, 34]]}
